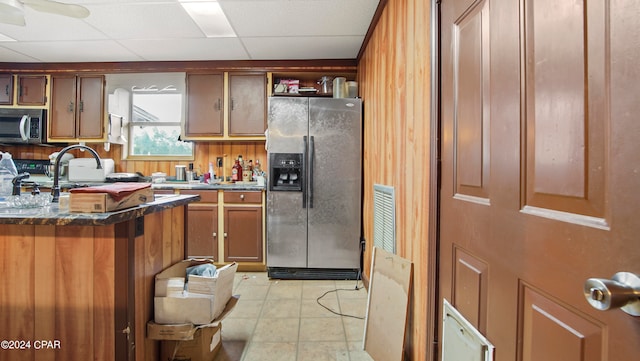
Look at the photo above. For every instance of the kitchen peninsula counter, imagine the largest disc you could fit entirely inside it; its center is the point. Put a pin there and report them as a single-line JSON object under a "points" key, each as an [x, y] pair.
{"points": [[85, 280], [53, 214]]}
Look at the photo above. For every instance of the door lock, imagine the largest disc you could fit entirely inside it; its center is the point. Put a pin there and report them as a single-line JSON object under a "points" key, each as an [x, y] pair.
{"points": [[621, 291]]}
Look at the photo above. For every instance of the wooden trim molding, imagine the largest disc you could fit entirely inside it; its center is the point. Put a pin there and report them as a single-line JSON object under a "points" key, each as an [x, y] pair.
{"points": [[168, 66]]}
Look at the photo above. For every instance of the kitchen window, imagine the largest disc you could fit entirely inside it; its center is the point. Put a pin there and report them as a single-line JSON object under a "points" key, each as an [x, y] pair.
{"points": [[152, 108], [154, 129]]}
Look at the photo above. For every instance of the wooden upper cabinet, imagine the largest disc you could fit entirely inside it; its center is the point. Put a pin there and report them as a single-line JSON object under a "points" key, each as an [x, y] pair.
{"points": [[247, 104], [28, 90], [77, 107], [229, 105], [32, 90], [91, 107], [6, 89], [205, 99]]}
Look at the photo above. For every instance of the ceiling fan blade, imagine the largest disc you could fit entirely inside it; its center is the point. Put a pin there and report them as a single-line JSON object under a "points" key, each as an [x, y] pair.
{"points": [[54, 7], [11, 12]]}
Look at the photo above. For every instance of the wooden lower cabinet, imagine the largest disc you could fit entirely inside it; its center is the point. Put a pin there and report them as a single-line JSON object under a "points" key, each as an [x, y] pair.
{"points": [[243, 233], [226, 227], [202, 226]]}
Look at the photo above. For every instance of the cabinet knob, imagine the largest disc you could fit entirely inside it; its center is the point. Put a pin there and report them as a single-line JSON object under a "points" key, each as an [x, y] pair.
{"points": [[225, 235], [215, 234], [242, 196]]}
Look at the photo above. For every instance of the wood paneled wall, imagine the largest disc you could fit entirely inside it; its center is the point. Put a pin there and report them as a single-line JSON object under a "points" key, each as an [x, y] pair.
{"points": [[394, 76], [205, 152]]}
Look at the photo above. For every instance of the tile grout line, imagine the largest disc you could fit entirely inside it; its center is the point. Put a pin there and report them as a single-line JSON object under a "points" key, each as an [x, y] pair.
{"points": [[245, 352]]}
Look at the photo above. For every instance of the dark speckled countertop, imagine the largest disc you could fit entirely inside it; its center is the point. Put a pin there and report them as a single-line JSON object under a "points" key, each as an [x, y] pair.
{"points": [[54, 215], [246, 186], [45, 182]]}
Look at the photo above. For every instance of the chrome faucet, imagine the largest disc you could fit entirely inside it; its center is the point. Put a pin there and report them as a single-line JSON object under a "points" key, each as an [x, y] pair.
{"points": [[55, 191]]}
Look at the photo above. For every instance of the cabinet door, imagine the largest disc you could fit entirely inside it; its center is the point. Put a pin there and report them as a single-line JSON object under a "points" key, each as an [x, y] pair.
{"points": [[202, 236], [32, 90], [6, 89], [243, 234], [62, 121], [204, 105], [247, 104], [90, 112]]}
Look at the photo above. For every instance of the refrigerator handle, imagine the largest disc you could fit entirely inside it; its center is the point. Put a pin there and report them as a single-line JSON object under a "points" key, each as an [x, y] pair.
{"points": [[312, 156], [304, 173]]}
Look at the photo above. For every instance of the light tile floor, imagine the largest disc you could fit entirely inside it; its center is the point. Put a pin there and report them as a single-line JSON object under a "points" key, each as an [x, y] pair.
{"points": [[280, 320]]}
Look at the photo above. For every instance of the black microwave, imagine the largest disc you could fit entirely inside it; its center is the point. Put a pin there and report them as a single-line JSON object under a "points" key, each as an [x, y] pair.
{"points": [[23, 126]]}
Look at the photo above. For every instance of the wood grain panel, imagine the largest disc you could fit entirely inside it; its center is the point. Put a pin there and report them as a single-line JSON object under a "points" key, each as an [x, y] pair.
{"points": [[471, 131], [17, 297], [394, 83], [74, 292], [45, 288], [470, 288], [103, 295], [553, 332], [565, 71], [205, 152]]}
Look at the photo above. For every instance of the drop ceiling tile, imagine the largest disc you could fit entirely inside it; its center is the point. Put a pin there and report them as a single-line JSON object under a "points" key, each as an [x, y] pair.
{"points": [[299, 17], [188, 49], [157, 30], [143, 21], [50, 27], [326, 47], [74, 51], [11, 56]]}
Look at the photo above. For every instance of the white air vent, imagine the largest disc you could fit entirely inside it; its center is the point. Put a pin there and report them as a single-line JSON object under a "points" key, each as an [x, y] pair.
{"points": [[384, 218]]}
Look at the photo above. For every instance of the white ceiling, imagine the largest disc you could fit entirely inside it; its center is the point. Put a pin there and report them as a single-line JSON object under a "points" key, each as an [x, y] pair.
{"points": [[160, 30]]}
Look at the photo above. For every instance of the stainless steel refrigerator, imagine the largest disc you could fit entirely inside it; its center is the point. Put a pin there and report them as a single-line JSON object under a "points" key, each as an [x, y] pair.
{"points": [[314, 189]]}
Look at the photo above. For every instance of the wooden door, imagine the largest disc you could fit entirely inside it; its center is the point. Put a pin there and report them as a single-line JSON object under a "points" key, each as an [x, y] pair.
{"points": [[62, 115], [243, 234], [205, 116], [32, 90], [6, 89], [90, 112], [540, 175], [247, 104], [203, 231]]}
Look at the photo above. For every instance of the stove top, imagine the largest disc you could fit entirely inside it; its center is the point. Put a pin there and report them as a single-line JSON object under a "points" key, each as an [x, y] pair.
{"points": [[32, 166]]}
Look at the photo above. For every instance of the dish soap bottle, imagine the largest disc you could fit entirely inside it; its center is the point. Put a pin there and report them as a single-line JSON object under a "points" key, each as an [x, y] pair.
{"points": [[7, 172]]}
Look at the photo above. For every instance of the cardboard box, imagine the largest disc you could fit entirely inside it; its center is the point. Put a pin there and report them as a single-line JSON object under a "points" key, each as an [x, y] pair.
{"points": [[185, 331], [190, 342], [205, 345], [103, 202], [196, 308]]}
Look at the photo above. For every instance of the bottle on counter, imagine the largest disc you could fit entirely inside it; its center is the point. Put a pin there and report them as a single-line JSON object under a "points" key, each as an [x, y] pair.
{"points": [[247, 171], [8, 170], [212, 174], [236, 171], [257, 170]]}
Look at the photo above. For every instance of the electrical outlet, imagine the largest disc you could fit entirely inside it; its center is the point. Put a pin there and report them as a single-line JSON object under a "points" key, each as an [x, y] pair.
{"points": [[219, 162]]}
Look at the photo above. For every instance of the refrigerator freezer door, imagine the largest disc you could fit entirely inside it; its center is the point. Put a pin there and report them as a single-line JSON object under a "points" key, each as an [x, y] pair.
{"points": [[335, 126], [286, 218]]}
